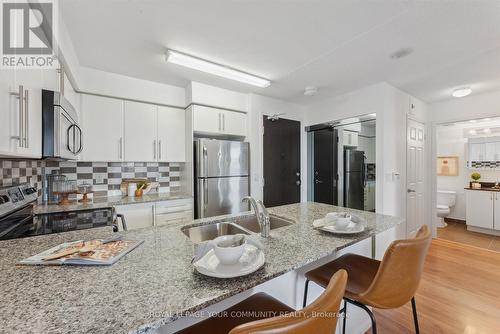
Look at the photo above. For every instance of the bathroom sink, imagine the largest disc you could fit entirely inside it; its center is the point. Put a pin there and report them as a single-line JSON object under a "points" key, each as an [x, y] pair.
{"points": [[251, 223], [202, 233]]}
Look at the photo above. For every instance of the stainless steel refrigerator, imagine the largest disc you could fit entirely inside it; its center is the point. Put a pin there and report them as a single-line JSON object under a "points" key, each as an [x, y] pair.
{"points": [[354, 179], [221, 176]]}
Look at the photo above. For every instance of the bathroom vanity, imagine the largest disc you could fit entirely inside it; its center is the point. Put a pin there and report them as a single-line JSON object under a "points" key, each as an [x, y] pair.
{"points": [[483, 210]]}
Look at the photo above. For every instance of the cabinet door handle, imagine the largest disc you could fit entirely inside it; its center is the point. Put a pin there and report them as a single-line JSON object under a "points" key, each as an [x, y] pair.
{"points": [[26, 119], [154, 149], [20, 96], [223, 122], [121, 148], [159, 149], [220, 123]]}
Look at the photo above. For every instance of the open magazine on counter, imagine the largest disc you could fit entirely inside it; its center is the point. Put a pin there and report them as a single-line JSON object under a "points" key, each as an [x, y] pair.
{"points": [[92, 252]]}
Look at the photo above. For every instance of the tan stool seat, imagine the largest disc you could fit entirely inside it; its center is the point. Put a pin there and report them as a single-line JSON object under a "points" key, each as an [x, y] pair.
{"points": [[360, 270], [269, 316], [261, 302]]}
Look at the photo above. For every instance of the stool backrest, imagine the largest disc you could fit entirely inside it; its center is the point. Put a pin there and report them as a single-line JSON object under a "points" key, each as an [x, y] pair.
{"points": [[399, 273], [320, 317]]}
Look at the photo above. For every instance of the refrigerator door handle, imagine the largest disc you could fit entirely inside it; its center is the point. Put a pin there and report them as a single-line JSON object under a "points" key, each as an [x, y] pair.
{"points": [[205, 161]]}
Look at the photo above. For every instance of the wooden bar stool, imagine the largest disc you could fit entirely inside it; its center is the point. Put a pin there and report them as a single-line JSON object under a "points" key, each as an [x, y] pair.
{"points": [[385, 284], [249, 316]]}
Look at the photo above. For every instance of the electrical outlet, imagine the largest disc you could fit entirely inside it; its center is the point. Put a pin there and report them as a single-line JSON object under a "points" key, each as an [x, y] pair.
{"points": [[99, 179]]}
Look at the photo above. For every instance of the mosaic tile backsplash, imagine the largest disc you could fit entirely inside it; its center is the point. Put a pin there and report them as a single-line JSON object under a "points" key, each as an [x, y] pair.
{"points": [[106, 177], [485, 164]]}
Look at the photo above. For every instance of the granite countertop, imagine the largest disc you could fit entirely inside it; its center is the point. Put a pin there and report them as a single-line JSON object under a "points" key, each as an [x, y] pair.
{"points": [[106, 202], [155, 283]]}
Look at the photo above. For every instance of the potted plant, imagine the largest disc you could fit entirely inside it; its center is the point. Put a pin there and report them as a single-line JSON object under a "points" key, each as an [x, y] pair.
{"points": [[475, 177], [140, 188]]}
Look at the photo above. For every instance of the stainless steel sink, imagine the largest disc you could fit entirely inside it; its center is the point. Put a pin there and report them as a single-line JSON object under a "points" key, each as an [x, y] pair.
{"points": [[250, 223], [202, 233]]}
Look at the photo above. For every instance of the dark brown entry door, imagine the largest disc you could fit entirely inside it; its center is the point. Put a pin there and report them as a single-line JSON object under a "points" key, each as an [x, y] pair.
{"points": [[325, 166], [281, 162]]}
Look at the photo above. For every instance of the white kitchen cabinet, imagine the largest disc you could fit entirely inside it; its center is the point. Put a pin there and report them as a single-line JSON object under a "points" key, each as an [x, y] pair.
{"points": [[350, 138], [492, 151], [476, 151], [496, 211], [102, 121], [140, 131], [480, 208], [137, 215], [213, 121], [234, 123], [171, 134], [174, 211]]}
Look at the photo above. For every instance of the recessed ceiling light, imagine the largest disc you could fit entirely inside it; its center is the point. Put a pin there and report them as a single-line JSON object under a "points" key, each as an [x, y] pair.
{"points": [[486, 119], [401, 53], [472, 132], [487, 130], [199, 64], [372, 115], [310, 91], [472, 121], [461, 92]]}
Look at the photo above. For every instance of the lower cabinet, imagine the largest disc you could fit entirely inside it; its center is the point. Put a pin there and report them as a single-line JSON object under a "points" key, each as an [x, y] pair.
{"points": [[143, 215], [137, 215], [482, 207]]}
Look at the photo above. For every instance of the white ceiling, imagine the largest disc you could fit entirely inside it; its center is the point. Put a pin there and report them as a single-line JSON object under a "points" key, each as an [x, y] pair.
{"points": [[338, 46]]}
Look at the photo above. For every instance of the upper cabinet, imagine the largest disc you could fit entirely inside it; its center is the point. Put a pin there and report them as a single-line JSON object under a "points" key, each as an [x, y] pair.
{"points": [[117, 130], [219, 122], [481, 150], [102, 122], [140, 131], [171, 134], [21, 114]]}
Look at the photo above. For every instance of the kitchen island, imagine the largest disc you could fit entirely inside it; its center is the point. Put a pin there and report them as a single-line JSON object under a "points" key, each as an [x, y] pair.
{"points": [[156, 283]]}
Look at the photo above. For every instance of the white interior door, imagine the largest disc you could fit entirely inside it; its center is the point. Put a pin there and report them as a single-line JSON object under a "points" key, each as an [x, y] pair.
{"points": [[415, 177]]}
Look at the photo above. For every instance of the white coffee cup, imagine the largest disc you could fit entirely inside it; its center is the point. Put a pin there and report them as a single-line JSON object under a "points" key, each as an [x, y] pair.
{"points": [[227, 254], [342, 220]]}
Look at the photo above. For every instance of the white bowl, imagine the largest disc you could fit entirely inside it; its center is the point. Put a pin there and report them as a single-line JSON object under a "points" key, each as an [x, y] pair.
{"points": [[227, 255]]}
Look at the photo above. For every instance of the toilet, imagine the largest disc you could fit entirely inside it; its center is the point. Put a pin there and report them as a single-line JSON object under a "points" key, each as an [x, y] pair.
{"points": [[446, 199]]}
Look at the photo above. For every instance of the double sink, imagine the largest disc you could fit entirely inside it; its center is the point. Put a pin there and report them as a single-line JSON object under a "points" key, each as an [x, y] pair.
{"points": [[238, 225]]}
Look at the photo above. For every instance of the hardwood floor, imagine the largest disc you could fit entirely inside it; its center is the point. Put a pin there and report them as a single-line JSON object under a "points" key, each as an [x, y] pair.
{"points": [[459, 293], [457, 231]]}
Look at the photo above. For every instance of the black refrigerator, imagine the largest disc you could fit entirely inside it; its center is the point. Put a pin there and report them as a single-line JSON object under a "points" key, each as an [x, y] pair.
{"points": [[354, 179]]}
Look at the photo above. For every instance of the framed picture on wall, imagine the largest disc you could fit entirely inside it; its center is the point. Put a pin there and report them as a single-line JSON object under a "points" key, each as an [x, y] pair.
{"points": [[447, 166]]}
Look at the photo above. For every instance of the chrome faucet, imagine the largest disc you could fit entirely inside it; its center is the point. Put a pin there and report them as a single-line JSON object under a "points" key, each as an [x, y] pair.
{"points": [[261, 214]]}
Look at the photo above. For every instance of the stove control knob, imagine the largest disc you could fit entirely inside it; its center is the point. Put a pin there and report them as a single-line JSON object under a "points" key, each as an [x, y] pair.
{"points": [[4, 199]]}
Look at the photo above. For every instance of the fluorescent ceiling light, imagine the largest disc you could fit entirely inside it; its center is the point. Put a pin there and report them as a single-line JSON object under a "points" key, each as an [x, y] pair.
{"points": [[461, 92], [195, 63]]}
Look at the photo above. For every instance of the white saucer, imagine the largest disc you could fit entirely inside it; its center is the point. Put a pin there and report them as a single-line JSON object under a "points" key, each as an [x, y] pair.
{"points": [[352, 228], [251, 260]]}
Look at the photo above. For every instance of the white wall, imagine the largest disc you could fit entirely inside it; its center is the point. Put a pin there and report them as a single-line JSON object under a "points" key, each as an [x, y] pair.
{"points": [[391, 106], [390, 132], [216, 97], [261, 105], [120, 86]]}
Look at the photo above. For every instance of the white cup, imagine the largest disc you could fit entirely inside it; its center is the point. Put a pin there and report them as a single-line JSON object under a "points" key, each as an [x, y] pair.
{"points": [[131, 189], [342, 221], [227, 255]]}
